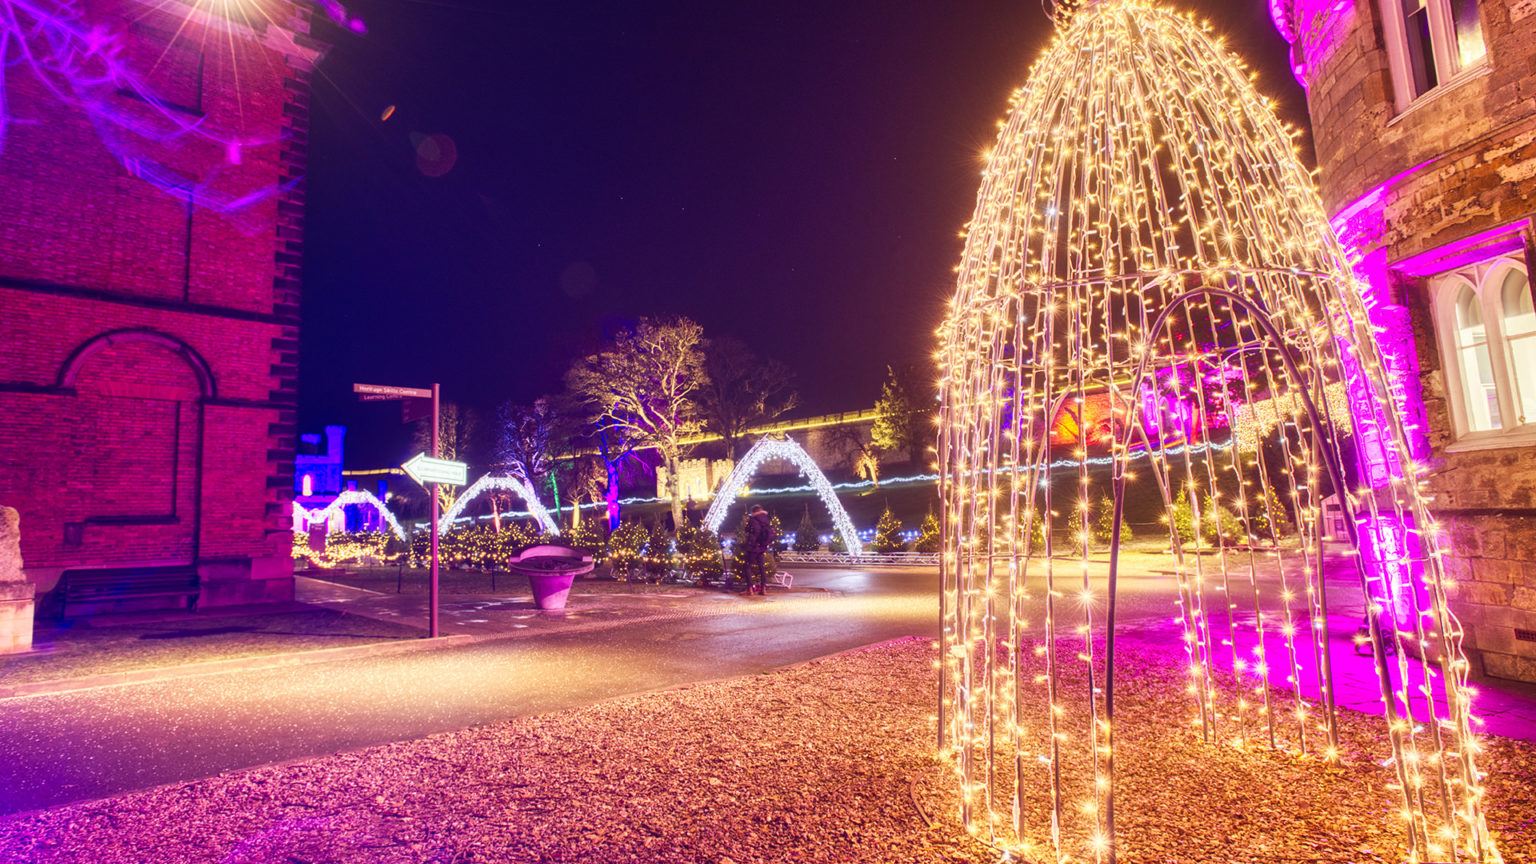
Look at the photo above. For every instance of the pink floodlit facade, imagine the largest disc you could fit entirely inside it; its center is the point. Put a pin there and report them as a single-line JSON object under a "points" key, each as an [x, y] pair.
{"points": [[151, 205], [1425, 127]]}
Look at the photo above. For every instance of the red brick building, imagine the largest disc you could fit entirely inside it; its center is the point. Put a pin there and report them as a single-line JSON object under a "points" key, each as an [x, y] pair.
{"points": [[151, 212], [1424, 114]]}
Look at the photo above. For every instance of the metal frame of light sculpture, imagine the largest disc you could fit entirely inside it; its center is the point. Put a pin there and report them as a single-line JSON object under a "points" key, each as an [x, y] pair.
{"points": [[786, 449], [489, 483], [1143, 220], [348, 497]]}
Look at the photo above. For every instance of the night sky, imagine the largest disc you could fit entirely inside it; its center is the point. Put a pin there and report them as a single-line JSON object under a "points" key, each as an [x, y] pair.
{"points": [[793, 174]]}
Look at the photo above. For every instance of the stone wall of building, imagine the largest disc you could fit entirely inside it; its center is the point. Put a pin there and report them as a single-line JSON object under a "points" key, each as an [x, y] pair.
{"points": [[149, 344], [1418, 191]]}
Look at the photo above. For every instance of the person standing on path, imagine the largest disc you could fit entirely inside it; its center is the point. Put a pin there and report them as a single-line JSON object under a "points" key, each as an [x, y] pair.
{"points": [[760, 536]]}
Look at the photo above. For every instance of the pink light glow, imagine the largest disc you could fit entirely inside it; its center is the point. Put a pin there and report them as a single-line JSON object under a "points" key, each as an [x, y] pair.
{"points": [[83, 64], [1468, 250]]}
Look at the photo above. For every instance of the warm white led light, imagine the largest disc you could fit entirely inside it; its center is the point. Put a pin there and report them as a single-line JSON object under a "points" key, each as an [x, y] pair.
{"points": [[1148, 271]]}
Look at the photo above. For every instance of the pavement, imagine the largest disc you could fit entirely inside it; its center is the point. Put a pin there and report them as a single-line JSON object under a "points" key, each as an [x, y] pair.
{"points": [[67, 746], [504, 658]]}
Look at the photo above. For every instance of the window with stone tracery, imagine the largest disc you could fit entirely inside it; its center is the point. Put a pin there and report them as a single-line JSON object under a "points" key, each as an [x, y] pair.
{"points": [[1486, 322]]}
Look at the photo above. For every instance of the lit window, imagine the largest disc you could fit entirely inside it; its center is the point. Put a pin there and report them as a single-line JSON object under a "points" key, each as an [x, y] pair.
{"points": [[308, 485], [1430, 42], [1520, 335], [1488, 344]]}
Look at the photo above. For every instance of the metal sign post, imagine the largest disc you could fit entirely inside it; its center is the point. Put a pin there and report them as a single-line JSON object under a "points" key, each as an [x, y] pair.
{"points": [[432, 592], [430, 472]]}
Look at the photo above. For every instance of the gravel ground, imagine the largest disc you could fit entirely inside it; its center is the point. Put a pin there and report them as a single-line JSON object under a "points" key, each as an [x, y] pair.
{"points": [[826, 761]]}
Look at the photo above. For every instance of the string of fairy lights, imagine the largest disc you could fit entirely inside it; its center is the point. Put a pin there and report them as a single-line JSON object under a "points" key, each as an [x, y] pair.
{"points": [[1145, 229], [782, 448], [489, 484]]}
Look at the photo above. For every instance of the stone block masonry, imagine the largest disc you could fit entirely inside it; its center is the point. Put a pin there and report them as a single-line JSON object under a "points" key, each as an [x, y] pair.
{"points": [[15, 590], [1417, 190], [148, 348]]}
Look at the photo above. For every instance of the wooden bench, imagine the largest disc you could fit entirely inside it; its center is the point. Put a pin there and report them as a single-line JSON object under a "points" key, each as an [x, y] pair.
{"points": [[129, 583]]}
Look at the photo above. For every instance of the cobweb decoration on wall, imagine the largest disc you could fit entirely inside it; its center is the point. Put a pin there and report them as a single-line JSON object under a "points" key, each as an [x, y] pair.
{"points": [[1149, 267]]}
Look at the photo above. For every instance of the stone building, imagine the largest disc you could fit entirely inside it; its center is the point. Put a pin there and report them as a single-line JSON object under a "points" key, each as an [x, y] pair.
{"points": [[1424, 118], [151, 208]]}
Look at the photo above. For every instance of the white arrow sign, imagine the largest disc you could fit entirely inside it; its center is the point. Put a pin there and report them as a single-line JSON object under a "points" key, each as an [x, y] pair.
{"points": [[426, 470]]}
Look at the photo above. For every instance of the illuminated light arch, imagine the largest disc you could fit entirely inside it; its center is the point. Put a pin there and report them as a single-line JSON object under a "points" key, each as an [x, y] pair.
{"points": [[350, 496], [789, 451], [492, 484], [1144, 227]]}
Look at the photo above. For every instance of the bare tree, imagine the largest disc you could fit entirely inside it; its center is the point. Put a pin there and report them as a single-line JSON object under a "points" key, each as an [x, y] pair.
{"points": [[641, 388], [860, 456], [524, 435], [743, 390], [585, 479]]}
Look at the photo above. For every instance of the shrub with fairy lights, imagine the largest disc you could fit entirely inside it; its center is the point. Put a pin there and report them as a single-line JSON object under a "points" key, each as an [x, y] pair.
{"points": [[342, 548], [928, 541], [1150, 292], [888, 533], [658, 560], [805, 535], [626, 548], [699, 548], [590, 536], [478, 547], [1104, 523]]}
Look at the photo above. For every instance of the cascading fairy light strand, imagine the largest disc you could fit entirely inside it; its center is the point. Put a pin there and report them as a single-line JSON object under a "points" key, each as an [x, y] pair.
{"points": [[781, 448], [1144, 231], [490, 483]]}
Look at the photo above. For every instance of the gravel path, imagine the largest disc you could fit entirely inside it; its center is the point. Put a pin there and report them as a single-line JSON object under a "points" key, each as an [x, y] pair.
{"points": [[826, 761]]}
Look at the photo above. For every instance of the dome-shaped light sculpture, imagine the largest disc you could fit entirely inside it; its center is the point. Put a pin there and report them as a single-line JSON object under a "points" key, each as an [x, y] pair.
{"points": [[1151, 299]]}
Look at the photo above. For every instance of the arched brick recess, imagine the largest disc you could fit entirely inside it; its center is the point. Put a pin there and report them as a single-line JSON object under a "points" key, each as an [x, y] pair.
{"points": [[135, 447]]}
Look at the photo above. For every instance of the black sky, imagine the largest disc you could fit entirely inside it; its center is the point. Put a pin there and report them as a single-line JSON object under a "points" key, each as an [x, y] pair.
{"points": [[790, 173]]}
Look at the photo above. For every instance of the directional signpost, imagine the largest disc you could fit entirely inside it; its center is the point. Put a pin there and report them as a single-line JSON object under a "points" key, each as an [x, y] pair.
{"points": [[426, 470], [429, 471]]}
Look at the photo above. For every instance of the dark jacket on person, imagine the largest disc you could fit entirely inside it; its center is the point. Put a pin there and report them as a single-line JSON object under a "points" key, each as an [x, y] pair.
{"points": [[760, 533]]}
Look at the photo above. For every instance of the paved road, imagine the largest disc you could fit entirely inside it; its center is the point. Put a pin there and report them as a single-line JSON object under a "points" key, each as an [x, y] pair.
{"points": [[73, 746], [68, 747]]}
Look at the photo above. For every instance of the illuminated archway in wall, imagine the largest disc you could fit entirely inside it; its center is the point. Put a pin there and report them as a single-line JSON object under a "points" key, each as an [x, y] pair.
{"points": [[515, 485], [1144, 228], [333, 510], [789, 451]]}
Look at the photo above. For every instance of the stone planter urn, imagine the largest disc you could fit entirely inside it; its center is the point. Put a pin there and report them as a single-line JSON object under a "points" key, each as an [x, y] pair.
{"points": [[550, 570]]}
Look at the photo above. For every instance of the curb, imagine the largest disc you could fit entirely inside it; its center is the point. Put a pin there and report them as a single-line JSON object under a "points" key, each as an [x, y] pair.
{"points": [[213, 667]]}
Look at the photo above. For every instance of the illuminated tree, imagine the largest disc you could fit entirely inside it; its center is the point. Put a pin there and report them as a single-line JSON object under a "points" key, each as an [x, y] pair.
{"points": [[1145, 235], [888, 533], [743, 390], [641, 388], [898, 419], [805, 534], [1104, 523], [928, 541], [524, 438]]}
